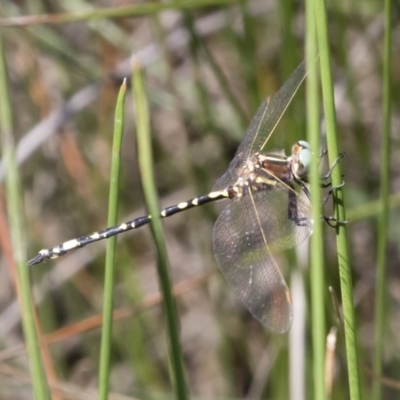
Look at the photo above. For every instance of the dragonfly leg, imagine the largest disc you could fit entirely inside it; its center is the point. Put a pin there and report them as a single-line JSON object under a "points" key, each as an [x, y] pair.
{"points": [[323, 153], [329, 173], [333, 222], [293, 211], [325, 185], [331, 191]]}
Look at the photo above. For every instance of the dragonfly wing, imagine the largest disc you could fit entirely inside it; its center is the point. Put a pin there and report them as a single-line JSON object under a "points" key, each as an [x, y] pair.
{"points": [[270, 113], [262, 126], [248, 266], [284, 216], [231, 175], [246, 235]]}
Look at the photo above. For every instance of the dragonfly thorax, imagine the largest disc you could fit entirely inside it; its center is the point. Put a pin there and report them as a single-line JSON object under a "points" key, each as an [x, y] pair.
{"points": [[262, 172]]}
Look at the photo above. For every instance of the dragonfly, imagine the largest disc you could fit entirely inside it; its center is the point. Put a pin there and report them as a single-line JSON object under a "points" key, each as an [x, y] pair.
{"points": [[266, 215]]}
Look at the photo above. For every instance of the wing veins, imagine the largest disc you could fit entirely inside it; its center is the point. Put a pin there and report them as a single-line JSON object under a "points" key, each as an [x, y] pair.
{"points": [[263, 236], [281, 115], [268, 100]]}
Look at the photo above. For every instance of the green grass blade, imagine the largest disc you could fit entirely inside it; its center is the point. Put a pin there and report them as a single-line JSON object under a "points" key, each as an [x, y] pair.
{"points": [[224, 84], [145, 160], [341, 234], [372, 208], [105, 351], [248, 56], [289, 52], [318, 285], [206, 108], [16, 213], [381, 288], [111, 12]]}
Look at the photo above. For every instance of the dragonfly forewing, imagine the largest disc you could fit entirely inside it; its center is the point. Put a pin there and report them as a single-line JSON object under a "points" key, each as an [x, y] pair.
{"points": [[263, 125], [270, 113]]}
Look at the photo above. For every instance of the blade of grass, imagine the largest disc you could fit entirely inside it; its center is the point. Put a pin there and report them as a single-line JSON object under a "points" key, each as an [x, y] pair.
{"points": [[145, 160], [380, 290], [318, 285], [247, 50], [15, 213], [104, 368], [112, 12], [372, 208], [206, 108], [225, 86], [289, 52], [341, 234]]}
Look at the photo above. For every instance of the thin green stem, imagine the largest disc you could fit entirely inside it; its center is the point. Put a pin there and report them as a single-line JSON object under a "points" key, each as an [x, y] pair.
{"points": [[16, 221], [372, 208], [248, 53], [317, 263], [381, 288], [105, 351], [341, 234], [145, 159], [224, 84], [111, 12]]}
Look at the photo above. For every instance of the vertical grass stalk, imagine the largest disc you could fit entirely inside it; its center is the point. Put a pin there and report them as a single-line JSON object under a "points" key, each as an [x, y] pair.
{"points": [[15, 214], [341, 234], [380, 291], [145, 159], [317, 285], [106, 334], [247, 51]]}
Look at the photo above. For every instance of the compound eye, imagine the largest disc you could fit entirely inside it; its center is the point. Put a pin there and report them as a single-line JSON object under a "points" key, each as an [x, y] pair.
{"points": [[305, 154]]}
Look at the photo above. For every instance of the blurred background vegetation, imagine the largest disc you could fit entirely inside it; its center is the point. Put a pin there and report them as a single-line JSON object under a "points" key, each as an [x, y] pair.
{"points": [[207, 68]]}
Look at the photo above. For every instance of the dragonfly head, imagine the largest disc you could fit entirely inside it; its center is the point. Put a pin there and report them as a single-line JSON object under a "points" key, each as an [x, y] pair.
{"points": [[300, 159]]}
